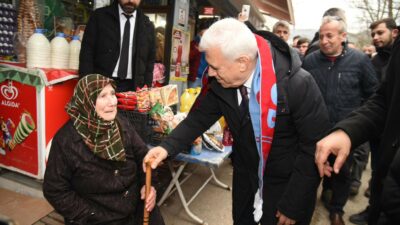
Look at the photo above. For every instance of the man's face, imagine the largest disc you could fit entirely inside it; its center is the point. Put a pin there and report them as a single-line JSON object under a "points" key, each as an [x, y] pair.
{"points": [[369, 50], [382, 36], [228, 73], [331, 39], [303, 48], [129, 6], [294, 44], [282, 32]]}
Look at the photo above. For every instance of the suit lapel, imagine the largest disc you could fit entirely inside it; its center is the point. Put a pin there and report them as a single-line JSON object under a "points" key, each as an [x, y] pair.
{"points": [[112, 10], [229, 95], [136, 38]]}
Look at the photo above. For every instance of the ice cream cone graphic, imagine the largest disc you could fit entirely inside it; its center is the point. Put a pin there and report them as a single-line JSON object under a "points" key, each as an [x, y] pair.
{"points": [[24, 128]]}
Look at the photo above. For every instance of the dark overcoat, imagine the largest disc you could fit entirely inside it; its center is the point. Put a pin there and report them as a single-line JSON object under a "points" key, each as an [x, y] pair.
{"points": [[86, 189], [379, 117], [102, 40], [291, 178]]}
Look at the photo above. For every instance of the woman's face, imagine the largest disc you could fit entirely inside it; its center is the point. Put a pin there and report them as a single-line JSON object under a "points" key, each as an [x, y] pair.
{"points": [[106, 103]]}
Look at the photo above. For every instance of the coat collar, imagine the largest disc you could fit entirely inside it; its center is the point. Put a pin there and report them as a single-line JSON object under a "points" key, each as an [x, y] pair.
{"points": [[113, 10], [228, 95]]}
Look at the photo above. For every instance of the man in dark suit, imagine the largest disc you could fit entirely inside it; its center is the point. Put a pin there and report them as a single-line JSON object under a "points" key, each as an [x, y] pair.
{"points": [[285, 192], [119, 42]]}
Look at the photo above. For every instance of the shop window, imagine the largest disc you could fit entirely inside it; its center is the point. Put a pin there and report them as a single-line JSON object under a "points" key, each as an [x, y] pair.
{"points": [[159, 20]]}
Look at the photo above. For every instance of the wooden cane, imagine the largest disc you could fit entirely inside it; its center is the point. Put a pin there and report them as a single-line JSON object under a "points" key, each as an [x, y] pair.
{"points": [[147, 192]]}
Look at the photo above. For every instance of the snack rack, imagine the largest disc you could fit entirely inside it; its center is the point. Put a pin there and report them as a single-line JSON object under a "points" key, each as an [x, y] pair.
{"points": [[136, 107], [141, 121]]}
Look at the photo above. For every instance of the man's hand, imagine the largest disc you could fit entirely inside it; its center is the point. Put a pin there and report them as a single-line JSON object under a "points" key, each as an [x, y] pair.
{"points": [[283, 220], [155, 156], [241, 17], [337, 143], [150, 202]]}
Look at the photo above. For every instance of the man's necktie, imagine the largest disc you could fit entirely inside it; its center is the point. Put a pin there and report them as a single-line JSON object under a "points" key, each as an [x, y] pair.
{"points": [[244, 105], [124, 56]]}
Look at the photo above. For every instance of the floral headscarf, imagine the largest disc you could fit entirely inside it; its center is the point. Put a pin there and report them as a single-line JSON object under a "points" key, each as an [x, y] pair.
{"points": [[102, 137]]}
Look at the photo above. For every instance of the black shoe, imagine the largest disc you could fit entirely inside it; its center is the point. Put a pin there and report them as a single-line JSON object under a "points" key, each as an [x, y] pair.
{"points": [[336, 219], [354, 187], [360, 218]]}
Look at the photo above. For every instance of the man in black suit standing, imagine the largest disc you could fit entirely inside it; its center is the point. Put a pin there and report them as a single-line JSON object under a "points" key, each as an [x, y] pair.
{"points": [[119, 42], [275, 112]]}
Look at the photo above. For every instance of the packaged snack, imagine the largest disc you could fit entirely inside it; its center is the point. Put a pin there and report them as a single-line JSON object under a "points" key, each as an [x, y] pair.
{"points": [[212, 143], [143, 99], [127, 101], [169, 94], [155, 96], [164, 117], [127, 107], [128, 94]]}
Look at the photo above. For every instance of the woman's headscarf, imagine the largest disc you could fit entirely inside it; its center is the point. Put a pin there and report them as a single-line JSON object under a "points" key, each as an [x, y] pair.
{"points": [[101, 136]]}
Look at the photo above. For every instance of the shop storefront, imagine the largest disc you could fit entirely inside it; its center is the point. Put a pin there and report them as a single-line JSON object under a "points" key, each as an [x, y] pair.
{"points": [[34, 88], [33, 98]]}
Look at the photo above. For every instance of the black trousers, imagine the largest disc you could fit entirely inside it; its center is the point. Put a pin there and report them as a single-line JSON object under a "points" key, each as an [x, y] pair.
{"points": [[361, 154], [269, 208], [340, 186]]}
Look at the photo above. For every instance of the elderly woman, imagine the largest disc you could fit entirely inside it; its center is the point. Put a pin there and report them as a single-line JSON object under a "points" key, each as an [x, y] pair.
{"points": [[93, 173]]}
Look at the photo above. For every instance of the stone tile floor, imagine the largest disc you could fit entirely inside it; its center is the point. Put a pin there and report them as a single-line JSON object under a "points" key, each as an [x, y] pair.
{"points": [[213, 204]]}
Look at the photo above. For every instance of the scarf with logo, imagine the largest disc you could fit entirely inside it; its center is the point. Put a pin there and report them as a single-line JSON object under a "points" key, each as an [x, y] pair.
{"points": [[262, 107]]}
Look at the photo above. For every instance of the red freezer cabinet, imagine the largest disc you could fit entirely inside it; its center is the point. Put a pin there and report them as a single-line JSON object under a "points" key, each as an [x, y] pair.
{"points": [[32, 109]]}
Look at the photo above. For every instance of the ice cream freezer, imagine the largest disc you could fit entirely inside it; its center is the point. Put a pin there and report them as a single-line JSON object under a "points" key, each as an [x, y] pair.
{"points": [[32, 103]]}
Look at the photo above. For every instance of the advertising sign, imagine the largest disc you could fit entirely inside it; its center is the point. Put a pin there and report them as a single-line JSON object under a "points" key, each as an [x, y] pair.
{"points": [[32, 109], [18, 135], [179, 68]]}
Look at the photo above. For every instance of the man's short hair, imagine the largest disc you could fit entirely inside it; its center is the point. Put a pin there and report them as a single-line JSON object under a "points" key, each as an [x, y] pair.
{"points": [[336, 12], [296, 37], [390, 23], [342, 23], [302, 41], [232, 37], [280, 23]]}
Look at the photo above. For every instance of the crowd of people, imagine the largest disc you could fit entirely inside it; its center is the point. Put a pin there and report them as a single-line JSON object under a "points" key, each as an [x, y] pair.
{"points": [[279, 102]]}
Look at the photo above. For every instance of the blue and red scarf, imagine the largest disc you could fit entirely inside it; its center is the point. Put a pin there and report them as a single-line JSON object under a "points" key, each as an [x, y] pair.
{"points": [[262, 107]]}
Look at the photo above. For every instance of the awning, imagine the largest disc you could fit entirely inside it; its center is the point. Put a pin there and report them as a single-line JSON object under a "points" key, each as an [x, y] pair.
{"points": [[233, 7], [280, 9]]}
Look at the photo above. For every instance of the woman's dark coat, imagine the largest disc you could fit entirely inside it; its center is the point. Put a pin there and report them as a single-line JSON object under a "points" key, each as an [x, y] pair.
{"points": [[86, 189]]}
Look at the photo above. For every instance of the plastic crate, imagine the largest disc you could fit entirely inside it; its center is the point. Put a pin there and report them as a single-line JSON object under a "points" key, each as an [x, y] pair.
{"points": [[142, 123]]}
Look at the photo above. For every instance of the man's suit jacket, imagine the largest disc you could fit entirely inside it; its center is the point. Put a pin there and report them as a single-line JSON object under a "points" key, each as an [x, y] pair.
{"points": [[291, 178], [101, 45]]}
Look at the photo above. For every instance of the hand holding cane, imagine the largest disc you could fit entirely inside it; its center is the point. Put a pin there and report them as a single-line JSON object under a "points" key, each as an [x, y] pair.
{"points": [[147, 192]]}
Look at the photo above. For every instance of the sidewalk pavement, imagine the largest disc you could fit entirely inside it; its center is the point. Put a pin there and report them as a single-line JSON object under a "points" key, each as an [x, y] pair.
{"points": [[213, 204]]}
